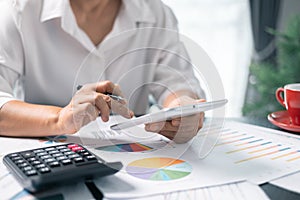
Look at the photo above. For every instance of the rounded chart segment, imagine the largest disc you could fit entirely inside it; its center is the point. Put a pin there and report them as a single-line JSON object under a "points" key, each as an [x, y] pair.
{"points": [[159, 169]]}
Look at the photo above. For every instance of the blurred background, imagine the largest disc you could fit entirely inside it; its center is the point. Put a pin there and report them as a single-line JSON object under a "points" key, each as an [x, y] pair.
{"points": [[255, 45]]}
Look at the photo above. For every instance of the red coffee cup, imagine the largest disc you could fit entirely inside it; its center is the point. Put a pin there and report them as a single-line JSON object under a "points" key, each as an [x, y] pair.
{"points": [[290, 100]]}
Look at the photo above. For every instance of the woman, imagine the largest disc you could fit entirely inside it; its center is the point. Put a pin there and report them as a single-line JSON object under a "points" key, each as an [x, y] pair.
{"points": [[48, 47]]}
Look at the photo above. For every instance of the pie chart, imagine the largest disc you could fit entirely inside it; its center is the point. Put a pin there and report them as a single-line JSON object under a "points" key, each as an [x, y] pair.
{"points": [[159, 169], [130, 147]]}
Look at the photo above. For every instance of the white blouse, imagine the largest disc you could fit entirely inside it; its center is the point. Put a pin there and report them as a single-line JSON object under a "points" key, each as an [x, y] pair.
{"points": [[44, 55]]}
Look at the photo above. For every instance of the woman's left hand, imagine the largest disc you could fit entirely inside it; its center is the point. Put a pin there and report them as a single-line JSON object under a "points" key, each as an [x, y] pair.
{"points": [[180, 130]]}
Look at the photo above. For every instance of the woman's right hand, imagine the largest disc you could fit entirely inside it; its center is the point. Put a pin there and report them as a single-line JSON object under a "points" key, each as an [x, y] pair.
{"points": [[88, 103]]}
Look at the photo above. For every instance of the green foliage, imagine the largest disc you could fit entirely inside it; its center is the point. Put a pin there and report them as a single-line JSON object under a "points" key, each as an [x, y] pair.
{"points": [[267, 77]]}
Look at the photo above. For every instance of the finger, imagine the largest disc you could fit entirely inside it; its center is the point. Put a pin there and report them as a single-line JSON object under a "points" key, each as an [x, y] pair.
{"points": [[81, 98], [117, 90], [160, 126], [200, 125], [104, 86], [168, 134], [181, 140], [176, 122], [201, 100], [154, 127], [108, 87], [102, 104], [120, 109], [97, 100]]}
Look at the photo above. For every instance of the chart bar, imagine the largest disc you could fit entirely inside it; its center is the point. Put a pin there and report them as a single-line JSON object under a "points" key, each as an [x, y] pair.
{"points": [[284, 155], [229, 142], [293, 159], [249, 142], [262, 155], [229, 133], [263, 149], [246, 148], [231, 136]]}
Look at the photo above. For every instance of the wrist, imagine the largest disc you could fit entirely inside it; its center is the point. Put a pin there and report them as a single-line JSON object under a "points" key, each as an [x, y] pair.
{"points": [[55, 122]]}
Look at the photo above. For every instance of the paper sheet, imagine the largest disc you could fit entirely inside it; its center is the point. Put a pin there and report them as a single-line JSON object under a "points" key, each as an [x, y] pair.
{"points": [[242, 152], [233, 191], [290, 182]]}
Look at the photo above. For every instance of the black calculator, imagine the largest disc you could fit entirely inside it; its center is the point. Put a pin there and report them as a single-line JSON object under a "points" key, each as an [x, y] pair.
{"points": [[41, 168]]}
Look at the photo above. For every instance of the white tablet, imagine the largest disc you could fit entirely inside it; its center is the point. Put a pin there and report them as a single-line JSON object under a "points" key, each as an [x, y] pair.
{"points": [[170, 113]]}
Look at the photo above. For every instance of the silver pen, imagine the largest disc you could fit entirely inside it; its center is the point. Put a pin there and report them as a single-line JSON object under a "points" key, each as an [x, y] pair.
{"points": [[114, 97]]}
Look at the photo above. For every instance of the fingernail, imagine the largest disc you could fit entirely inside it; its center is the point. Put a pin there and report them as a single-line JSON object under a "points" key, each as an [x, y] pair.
{"points": [[175, 123], [131, 114], [105, 119], [107, 99], [154, 128]]}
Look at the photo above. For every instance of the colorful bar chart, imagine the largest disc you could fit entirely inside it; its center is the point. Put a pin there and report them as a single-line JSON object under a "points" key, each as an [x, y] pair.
{"points": [[136, 147], [252, 147]]}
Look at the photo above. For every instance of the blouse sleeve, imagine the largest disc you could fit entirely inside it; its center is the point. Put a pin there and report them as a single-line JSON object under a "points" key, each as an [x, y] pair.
{"points": [[11, 53], [174, 70]]}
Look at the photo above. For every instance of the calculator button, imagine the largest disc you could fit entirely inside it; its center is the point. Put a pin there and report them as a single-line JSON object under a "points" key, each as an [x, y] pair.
{"points": [[46, 157], [57, 154], [62, 158], [16, 158], [28, 154], [76, 148], [66, 162], [81, 151], [64, 150], [50, 149], [86, 154], [69, 153], [40, 166], [13, 155], [54, 164], [74, 156], [22, 165], [60, 147], [42, 154], [91, 157], [38, 151], [32, 159], [28, 168], [44, 170], [31, 173], [36, 162], [49, 160], [78, 160], [70, 146], [20, 161], [53, 152]]}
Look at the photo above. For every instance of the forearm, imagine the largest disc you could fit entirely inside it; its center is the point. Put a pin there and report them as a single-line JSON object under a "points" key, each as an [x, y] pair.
{"points": [[23, 119]]}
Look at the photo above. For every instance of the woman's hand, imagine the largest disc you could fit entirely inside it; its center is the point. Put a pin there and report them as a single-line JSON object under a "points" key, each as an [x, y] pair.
{"points": [[180, 130], [88, 103]]}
